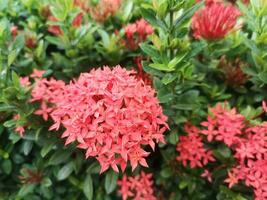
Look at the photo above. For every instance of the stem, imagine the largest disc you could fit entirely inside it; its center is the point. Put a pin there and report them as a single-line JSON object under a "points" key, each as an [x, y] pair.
{"points": [[171, 34]]}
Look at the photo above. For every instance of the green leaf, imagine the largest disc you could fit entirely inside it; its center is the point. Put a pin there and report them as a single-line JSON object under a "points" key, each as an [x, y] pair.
{"points": [[111, 181], [150, 16], [105, 38], [168, 78], [173, 137], [263, 77], [175, 61], [187, 15], [11, 57], [56, 41], [127, 11], [59, 157], [48, 73], [40, 49], [65, 171], [18, 43], [46, 182], [15, 79], [165, 96], [47, 148], [26, 189], [161, 67], [150, 50], [6, 108], [7, 166], [10, 123], [88, 189], [27, 147], [166, 172], [183, 184]]}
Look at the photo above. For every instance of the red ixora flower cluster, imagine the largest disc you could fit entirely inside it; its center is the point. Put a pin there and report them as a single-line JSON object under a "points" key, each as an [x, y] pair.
{"points": [[232, 70], [248, 142], [104, 9], [137, 32], [207, 2], [108, 112], [214, 21], [191, 148], [139, 187]]}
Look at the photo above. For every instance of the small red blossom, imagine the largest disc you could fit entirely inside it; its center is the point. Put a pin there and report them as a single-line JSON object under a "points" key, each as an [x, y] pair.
{"points": [[77, 21], [24, 81], [231, 180], [14, 31], [207, 174], [139, 187], [37, 73], [55, 29], [19, 129], [223, 125], [30, 40], [45, 11], [232, 70], [191, 149], [136, 33], [44, 111], [104, 9], [214, 21]]}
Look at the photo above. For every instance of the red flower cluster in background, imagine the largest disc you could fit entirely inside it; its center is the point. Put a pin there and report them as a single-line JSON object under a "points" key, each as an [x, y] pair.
{"points": [[104, 9], [224, 125], [208, 2], [108, 112], [55, 29], [214, 21], [191, 148], [137, 32], [232, 70], [248, 142], [139, 187]]}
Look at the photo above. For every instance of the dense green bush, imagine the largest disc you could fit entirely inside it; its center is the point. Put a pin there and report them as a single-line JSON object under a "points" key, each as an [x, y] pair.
{"points": [[207, 63]]}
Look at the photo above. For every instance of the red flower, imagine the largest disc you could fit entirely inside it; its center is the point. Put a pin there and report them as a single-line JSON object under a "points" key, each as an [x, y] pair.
{"points": [[233, 74], [19, 129], [139, 187], [137, 32], [55, 29], [24, 81], [37, 73], [247, 142], [14, 31], [191, 148], [214, 21], [231, 180], [108, 112], [208, 175], [44, 111], [30, 41], [104, 9], [77, 21], [223, 125]]}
